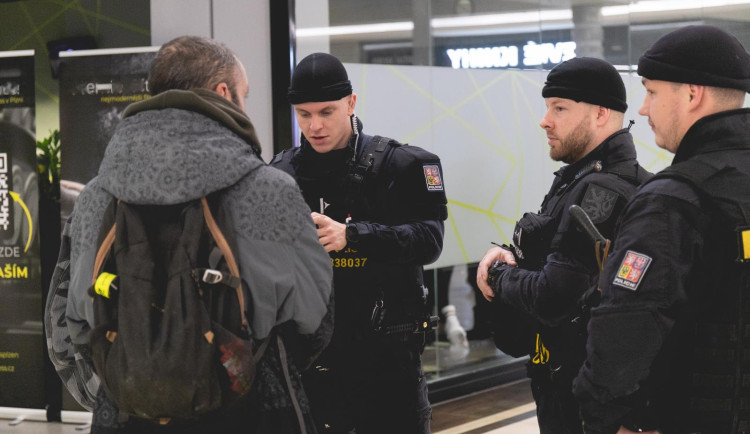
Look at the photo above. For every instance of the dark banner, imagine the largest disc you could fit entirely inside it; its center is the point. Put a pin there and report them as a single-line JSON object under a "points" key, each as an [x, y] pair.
{"points": [[21, 342], [95, 88]]}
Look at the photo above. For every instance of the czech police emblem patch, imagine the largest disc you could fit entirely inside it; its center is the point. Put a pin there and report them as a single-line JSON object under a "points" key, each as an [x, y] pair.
{"points": [[432, 177], [598, 202], [632, 270]]}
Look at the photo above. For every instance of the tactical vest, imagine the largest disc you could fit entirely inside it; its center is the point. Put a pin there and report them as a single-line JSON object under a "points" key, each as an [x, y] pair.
{"points": [[718, 342], [366, 169], [534, 237], [362, 188]]}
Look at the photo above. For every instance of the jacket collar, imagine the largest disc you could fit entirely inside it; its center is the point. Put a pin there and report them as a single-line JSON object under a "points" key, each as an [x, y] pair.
{"points": [[207, 103], [614, 149], [717, 132]]}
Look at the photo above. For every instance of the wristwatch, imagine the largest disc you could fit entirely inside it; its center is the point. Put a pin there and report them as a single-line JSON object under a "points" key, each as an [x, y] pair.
{"points": [[352, 233], [493, 273]]}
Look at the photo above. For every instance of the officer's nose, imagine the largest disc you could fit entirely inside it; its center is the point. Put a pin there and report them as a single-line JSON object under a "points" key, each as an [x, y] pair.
{"points": [[544, 123], [315, 123], [643, 111]]}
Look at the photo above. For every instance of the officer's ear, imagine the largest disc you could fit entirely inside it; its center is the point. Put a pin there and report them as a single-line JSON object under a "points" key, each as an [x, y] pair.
{"points": [[695, 94], [602, 115], [351, 104]]}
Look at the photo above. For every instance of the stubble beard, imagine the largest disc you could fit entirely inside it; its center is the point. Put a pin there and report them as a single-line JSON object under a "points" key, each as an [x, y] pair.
{"points": [[572, 146]]}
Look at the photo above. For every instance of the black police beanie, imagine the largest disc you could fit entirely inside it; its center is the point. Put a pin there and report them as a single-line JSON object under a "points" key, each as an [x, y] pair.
{"points": [[319, 77], [704, 55], [587, 79]]}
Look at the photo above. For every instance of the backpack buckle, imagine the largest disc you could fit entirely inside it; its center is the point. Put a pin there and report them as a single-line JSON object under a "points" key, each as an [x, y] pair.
{"points": [[212, 276]]}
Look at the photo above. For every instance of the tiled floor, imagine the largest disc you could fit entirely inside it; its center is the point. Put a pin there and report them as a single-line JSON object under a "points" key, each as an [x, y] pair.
{"points": [[506, 409], [8, 426]]}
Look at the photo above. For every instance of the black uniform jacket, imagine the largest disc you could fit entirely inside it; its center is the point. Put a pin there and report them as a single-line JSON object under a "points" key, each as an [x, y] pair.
{"points": [[668, 288], [398, 214], [601, 183]]}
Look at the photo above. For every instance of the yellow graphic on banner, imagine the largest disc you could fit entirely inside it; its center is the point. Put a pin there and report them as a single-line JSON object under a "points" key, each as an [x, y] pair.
{"points": [[542, 353], [17, 198], [13, 271], [11, 100], [746, 244]]}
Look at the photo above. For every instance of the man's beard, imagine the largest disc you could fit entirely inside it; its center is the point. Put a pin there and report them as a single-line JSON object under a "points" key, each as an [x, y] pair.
{"points": [[572, 146]]}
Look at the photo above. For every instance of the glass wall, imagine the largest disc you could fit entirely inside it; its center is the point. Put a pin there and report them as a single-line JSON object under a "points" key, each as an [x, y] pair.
{"points": [[463, 79]]}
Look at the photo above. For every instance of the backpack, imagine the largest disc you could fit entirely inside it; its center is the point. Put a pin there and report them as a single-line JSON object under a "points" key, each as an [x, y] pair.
{"points": [[170, 339]]}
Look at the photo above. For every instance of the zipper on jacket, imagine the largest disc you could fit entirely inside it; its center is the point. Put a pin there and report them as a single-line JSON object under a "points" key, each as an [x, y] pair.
{"points": [[288, 378]]}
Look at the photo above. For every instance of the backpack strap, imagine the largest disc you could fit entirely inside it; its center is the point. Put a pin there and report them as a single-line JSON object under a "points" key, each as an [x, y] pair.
{"points": [[223, 245], [101, 254]]}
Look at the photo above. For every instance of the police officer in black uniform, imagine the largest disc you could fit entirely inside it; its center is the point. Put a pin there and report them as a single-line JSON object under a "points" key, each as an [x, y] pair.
{"points": [[536, 283], [668, 344], [379, 206]]}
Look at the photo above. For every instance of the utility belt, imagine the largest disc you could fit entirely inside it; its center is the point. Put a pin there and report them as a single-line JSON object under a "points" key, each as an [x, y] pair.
{"points": [[553, 373], [385, 323]]}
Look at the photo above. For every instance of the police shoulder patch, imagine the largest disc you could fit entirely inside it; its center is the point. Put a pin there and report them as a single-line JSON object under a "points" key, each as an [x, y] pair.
{"points": [[632, 269], [433, 177], [599, 202]]}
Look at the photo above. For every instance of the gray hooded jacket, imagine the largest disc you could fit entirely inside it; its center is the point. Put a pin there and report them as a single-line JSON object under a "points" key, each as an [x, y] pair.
{"points": [[176, 147]]}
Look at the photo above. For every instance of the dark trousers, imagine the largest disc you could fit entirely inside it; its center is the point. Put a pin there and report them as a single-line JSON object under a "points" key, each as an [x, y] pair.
{"points": [[376, 386], [556, 407]]}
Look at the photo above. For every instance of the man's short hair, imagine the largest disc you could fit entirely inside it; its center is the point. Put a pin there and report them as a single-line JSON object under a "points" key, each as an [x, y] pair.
{"points": [[193, 62], [728, 98]]}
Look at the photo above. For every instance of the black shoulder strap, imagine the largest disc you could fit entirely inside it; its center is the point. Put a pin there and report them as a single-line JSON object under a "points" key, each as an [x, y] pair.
{"points": [[367, 166], [284, 157], [631, 172], [694, 171], [736, 207], [380, 147], [552, 200], [369, 163]]}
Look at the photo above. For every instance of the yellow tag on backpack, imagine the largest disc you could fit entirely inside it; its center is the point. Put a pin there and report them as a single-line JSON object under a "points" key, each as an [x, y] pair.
{"points": [[104, 283]]}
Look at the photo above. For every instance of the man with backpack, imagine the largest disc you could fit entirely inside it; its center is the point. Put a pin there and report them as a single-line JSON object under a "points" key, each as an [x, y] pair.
{"points": [[186, 230], [379, 206]]}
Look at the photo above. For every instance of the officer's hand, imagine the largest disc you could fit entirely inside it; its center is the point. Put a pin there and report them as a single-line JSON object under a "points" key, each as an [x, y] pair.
{"points": [[492, 255], [331, 234]]}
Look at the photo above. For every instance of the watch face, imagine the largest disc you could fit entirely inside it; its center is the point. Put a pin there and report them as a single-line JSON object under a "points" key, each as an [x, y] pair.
{"points": [[351, 232], [493, 273]]}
